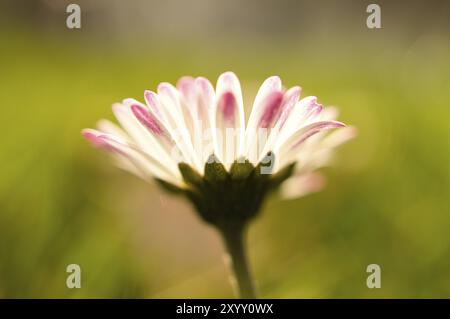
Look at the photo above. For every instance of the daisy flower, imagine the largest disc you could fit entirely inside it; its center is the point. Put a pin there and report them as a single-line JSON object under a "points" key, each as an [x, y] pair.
{"points": [[193, 140]]}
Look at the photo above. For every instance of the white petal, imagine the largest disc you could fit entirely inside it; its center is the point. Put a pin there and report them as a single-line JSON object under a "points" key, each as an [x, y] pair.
{"points": [[178, 122], [290, 98], [339, 137], [229, 118], [141, 136], [330, 113], [288, 149], [303, 113], [317, 151], [145, 165], [206, 108], [109, 127], [197, 98], [270, 85], [301, 185]]}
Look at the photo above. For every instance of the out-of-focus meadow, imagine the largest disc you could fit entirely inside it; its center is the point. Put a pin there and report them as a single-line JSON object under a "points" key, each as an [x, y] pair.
{"points": [[387, 195]]}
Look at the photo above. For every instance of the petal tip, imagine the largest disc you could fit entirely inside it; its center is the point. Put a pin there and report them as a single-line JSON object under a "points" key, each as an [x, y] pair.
{"points": [[145, 118], [93, 137], [339, 124]]}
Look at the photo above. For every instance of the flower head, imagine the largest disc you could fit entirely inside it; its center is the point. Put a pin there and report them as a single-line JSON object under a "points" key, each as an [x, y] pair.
{"points": [[194, 141]]}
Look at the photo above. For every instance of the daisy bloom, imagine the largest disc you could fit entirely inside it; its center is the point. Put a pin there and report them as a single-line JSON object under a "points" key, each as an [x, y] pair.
{"points": [[194, 141]]}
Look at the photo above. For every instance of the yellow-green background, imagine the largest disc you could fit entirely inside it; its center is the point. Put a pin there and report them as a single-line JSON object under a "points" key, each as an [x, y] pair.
{"points": [[386, 202]]}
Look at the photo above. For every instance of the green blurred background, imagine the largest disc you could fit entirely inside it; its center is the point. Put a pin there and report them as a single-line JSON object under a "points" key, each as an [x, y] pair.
{"points": [[386, 202]]}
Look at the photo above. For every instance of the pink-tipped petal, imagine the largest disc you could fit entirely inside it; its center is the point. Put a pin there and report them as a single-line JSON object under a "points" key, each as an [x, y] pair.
{"points": [[290, 99], [271, 107], [311, 108], [339, 137], [130, 156], [298, 117], [169, 93], [204, 86], [171, 107], [186, 86], [270, 85], [302, 184], [153, 102], [228, 81], [146, 119], [101, 140], [165, 88], [93, 137], [308, 103], [315, 111], [206, 94], [227, 107], [313, 129], [329, 113], [229, 113]]}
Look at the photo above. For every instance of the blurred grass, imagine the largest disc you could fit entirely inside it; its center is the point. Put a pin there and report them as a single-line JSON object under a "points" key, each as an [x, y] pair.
{"points": [[386, 201]]}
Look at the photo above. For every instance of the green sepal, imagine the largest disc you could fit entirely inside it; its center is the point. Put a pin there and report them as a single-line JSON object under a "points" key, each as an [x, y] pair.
{"points": [[201, 205], [233, 197], [215, 172], [241, 169], [277, 179], [190, 176]]}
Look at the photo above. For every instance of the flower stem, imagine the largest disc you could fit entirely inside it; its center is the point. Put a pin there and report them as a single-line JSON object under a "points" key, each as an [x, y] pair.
{"points": [[233, 238]]}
